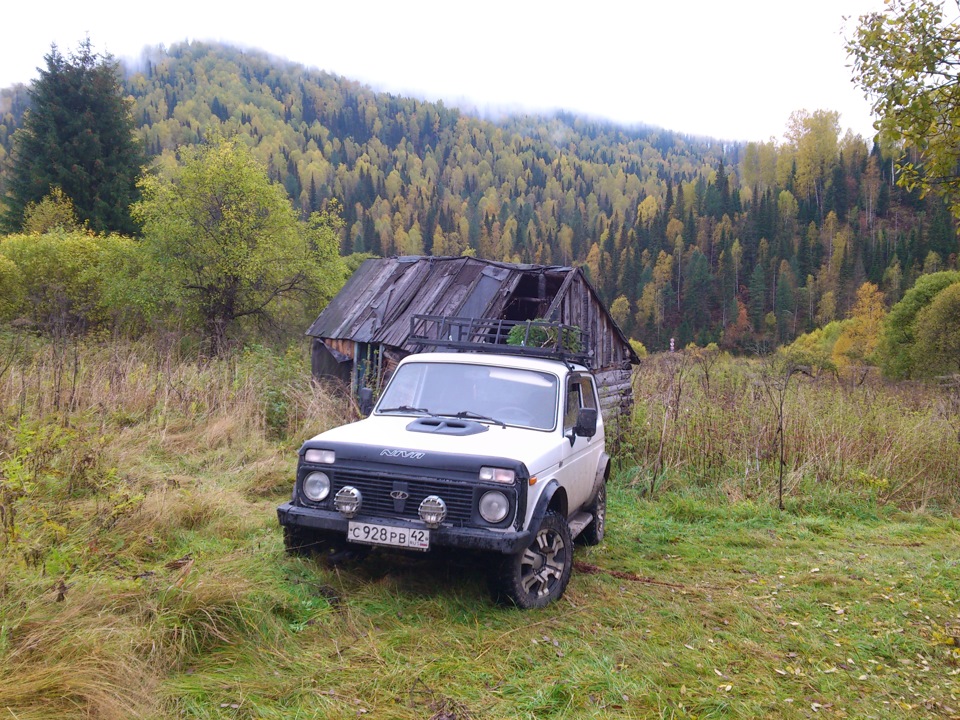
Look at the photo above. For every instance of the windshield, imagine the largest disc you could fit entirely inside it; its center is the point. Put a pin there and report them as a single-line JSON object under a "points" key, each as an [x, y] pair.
{"points": [[527, 398]]}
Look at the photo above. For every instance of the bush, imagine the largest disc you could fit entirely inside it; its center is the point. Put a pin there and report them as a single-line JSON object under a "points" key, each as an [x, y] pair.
{"points": [[897, 340], [536, 333], [59, 278], [11, 289]]}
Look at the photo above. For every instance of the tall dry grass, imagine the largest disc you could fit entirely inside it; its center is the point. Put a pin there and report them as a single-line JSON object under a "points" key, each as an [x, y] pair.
{"points": [[82, 657], [126, 383], [716, 422], [135, 484], [138, 485]]}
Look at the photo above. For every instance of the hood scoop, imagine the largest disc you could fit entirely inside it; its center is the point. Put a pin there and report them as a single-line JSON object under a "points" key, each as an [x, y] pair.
{"points": [[446, 426]]}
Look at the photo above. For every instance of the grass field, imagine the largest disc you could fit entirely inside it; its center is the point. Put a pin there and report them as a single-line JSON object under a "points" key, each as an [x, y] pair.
{"points": [[692, 608], [142, 571]]}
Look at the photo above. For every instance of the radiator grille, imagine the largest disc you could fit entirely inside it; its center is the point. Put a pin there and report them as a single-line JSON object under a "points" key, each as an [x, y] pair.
{"points": [[376, 490]]}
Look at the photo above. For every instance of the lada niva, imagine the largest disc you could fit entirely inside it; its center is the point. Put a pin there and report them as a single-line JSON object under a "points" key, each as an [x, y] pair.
{"points": [[499, 451]]}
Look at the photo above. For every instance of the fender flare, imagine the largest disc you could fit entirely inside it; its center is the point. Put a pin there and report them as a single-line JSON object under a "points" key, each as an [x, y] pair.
{"points": [[543, 502], [603, 473]]}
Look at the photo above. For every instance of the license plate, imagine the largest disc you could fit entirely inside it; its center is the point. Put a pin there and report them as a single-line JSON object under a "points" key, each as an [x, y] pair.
{"points": [[372, 534]]}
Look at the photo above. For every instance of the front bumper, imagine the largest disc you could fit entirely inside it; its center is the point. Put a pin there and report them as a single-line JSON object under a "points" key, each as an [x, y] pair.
{"points": [[508, 542]]}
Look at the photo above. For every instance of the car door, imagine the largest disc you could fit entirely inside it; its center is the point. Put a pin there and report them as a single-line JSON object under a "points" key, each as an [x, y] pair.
{"points": [[581, 457]]}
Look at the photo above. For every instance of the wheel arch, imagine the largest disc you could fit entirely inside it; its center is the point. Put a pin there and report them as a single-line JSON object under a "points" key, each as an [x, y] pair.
{"points": [[553, 498], [603, 474], [558, 502], [605, 464]]}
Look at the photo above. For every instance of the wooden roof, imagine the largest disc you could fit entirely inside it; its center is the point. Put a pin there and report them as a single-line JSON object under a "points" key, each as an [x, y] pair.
{"points": [[377, 302]]}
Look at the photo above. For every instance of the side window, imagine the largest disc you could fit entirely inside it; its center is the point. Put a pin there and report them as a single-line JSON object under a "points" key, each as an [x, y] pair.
{"points": [[588, 398], [579, 394], [572, 406]]}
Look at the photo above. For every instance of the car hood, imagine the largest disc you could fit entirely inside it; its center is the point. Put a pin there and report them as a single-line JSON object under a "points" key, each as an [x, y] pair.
{"points": [[538, 450]]}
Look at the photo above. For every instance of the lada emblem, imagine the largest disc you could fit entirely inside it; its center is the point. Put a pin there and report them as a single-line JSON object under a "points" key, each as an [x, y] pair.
{"points": [[399, 495]]}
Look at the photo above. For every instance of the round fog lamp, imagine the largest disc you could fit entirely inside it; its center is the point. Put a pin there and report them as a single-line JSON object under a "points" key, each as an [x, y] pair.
{"points": [[494, 506], [347, 501], [316, 486], [433, 511]]}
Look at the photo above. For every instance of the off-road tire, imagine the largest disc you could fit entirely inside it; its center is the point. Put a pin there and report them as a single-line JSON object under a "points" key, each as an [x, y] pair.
{"points": [[537, 575], [301, 541], [593, 533], [329, 548]]}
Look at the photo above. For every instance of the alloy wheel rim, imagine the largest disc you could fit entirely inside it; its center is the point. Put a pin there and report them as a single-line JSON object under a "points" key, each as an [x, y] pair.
{"points": [[542, 564]]}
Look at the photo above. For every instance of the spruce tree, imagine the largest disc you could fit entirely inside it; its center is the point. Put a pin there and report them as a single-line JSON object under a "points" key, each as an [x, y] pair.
{"points": [[758, 293], [78, 136]]}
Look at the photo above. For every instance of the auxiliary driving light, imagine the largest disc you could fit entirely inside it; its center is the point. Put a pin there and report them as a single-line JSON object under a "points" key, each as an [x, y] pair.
{"points": [[347, 501], [433, 511]]}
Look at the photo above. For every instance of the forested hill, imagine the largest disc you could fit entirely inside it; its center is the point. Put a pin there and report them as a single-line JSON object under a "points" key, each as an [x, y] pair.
{"points": [[684, 237]]}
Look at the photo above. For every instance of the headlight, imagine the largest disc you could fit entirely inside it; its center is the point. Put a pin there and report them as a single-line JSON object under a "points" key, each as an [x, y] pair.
{"points": [[316, 486], [433, 511], [494, 506], [324, 457], [497, 475], [348, 501]]}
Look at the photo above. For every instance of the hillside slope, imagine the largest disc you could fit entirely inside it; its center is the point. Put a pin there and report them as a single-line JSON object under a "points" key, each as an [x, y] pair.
{"points": [[685, 237]]}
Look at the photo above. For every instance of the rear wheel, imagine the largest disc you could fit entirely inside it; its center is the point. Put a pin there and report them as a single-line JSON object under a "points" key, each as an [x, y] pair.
{"points": [[537, 575], [593, 533]]}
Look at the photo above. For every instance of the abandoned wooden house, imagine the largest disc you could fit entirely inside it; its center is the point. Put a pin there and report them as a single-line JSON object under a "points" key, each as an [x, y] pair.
{"points": [[366, 329]]}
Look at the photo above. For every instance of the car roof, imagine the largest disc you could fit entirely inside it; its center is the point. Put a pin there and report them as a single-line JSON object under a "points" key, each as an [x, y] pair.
{"points": [[495, 359]]}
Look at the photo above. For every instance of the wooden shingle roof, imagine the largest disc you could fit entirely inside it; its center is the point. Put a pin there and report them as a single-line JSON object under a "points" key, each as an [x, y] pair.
{"points": [[377, 302]]}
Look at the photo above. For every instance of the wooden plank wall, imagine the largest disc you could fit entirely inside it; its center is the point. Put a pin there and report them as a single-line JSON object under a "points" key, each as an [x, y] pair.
{"points": [[616, 391], [578, 305], [343, 346]]}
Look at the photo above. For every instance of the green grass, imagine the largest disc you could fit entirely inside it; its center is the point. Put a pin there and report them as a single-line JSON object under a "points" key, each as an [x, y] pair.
{"points": [[143, 576], [689, 609]]}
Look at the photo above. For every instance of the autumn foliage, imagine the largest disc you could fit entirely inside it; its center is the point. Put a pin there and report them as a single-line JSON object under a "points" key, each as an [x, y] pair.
{"points": [[682, 233]]}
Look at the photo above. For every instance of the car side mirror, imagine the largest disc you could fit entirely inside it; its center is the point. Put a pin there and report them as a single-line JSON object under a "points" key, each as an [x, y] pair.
{"points": [[366, 401], [586, 423]]}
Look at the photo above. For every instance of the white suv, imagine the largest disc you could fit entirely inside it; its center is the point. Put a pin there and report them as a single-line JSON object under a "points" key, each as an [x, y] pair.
{"points": [[486, 451]]}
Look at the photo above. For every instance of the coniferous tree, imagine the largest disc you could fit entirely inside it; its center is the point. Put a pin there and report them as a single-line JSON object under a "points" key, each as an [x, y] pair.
{"points": [[78, 136], [758, 292], [697, 293]]}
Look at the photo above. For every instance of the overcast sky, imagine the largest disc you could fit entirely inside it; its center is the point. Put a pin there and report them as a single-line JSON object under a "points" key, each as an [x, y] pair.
{"points": [[731, 70]]}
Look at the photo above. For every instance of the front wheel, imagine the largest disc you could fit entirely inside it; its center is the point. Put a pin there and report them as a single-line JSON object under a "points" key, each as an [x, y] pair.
{"points": [[326, 546], [301, 541], [538, 575]]}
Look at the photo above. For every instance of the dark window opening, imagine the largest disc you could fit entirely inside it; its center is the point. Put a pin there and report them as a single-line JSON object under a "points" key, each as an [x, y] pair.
{"points": [[532, 297]]}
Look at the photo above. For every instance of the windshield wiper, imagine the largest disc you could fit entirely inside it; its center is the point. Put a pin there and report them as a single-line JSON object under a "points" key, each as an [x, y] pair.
{"points": [[470, 414], [404, 408]]}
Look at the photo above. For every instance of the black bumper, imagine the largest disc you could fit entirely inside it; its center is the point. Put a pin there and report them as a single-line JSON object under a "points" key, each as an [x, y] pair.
{"points": [[507, 542]]}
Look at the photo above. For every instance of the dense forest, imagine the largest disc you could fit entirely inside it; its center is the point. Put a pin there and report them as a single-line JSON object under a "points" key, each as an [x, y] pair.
{"points": [[684, 237]]}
